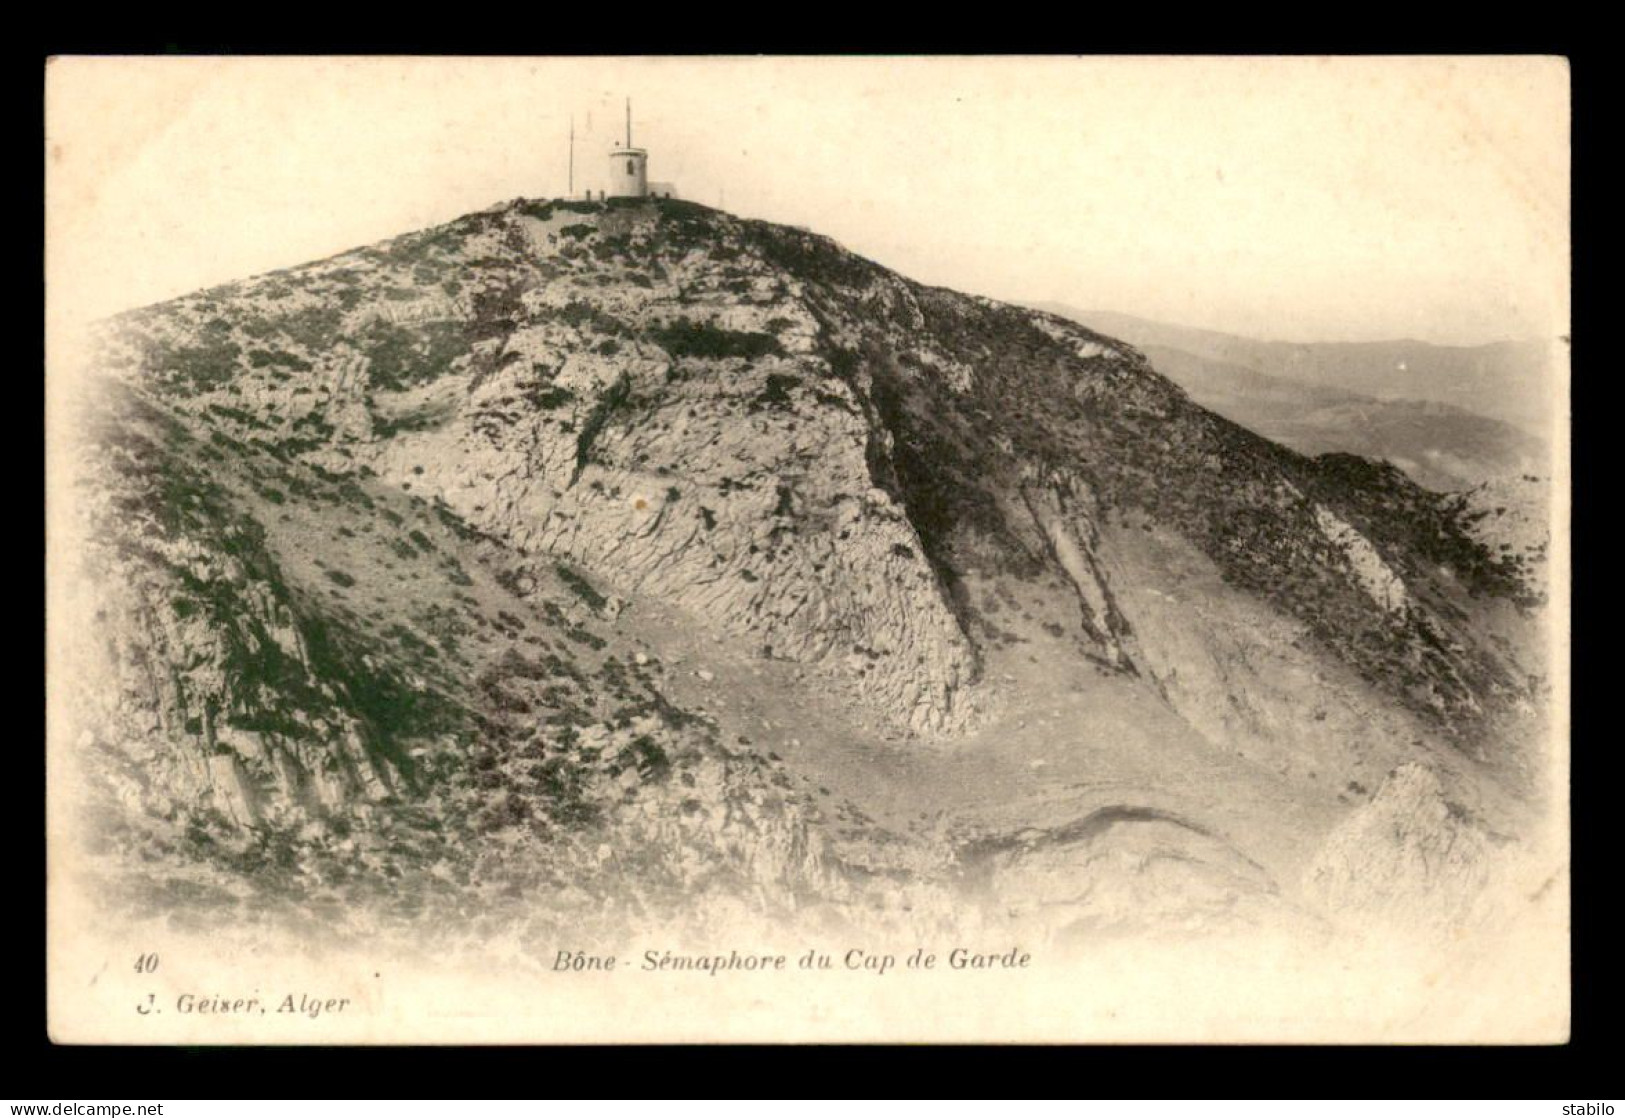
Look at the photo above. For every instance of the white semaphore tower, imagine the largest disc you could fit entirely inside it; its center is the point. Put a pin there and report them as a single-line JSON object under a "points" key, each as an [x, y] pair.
{"points": [[628, 166]]}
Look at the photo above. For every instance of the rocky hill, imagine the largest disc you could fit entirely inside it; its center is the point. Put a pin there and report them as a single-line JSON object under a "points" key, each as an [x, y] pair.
{"points": [[571, 562]]}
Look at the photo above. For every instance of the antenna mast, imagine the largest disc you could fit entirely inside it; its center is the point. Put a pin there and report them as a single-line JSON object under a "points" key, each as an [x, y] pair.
{"points": [[629, 122], [572, 189]]}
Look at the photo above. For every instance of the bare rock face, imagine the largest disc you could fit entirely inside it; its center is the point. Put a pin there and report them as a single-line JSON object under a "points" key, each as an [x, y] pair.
{"points": [[692, 444], [1410, 858], [1063, 511], [766, 525], [1374, 576]]}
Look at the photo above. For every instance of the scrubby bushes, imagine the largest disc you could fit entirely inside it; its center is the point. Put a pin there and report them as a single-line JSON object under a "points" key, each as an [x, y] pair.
{"points": [[614, 398], [580, 587], [209, 363], [776, 393], [401, 358], [579, 314], [684, 338], [551, 397]]}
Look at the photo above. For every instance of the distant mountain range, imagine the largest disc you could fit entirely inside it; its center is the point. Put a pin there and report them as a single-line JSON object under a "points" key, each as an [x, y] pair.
{"points": [[1451, 416]]}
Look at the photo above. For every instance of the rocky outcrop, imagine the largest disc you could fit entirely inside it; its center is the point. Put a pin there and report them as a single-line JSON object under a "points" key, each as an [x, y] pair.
{"points": [[1411, 859], [1063, 513], [1374, 576], [1125, 870]]}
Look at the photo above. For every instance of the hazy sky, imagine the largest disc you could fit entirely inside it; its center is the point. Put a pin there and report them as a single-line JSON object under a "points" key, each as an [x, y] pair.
{"points": [[1303, 198]]}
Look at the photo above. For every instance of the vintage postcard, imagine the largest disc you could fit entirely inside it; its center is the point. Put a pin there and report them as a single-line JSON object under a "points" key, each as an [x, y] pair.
{"points": [[807, 549]]}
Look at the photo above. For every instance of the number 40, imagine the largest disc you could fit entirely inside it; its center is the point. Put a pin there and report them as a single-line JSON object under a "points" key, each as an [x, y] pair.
{"points": [[146, 964]]}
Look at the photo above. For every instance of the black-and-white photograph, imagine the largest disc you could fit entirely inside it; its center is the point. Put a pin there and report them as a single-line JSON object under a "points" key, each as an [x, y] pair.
{"points": [[808, 549]]}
